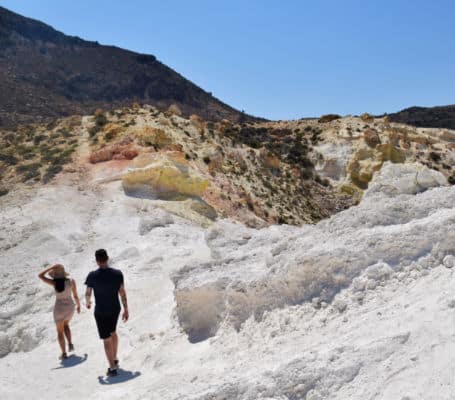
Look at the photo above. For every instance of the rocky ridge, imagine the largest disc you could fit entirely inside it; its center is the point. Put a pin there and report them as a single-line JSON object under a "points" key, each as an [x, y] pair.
{"points": [[262, 173]]}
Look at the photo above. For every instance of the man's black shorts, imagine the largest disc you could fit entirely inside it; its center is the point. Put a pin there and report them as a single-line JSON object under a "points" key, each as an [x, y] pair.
{"points": [[107, 324]]}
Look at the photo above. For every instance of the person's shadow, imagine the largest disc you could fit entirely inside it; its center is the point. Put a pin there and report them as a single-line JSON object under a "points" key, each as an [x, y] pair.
{"points": [[72, 361], [122, 376]]}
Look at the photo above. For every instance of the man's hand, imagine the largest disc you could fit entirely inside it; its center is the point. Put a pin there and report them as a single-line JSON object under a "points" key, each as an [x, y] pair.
{"points": [[125, 315], [88, 295], [122, 293]]}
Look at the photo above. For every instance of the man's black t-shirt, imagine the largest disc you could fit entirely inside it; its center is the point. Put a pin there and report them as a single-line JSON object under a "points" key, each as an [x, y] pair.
{"points": [[105, 283]]}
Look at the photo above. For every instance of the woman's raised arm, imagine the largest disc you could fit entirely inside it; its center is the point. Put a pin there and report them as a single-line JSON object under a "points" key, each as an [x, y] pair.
{"points": [[44, 278]]}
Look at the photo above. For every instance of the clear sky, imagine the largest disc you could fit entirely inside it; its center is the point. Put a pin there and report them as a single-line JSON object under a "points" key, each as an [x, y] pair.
{"points": [[282, 59]]}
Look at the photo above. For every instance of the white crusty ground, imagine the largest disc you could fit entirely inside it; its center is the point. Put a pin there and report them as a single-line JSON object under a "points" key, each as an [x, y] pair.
{"points": [[361, 306]]}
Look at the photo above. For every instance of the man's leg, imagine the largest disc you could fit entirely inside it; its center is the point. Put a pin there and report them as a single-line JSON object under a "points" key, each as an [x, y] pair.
{"points": [[114, 337], [109, 350]]}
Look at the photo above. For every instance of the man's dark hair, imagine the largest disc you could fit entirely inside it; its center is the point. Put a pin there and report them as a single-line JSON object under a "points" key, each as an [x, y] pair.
{"points": [[101, 255]]}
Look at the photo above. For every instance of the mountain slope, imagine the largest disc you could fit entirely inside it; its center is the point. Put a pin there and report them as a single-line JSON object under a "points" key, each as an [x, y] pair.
{"points": [[44, 73], [429, 117]]}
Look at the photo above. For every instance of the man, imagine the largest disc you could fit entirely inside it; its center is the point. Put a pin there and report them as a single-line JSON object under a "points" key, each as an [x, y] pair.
{"points": [[107, 283]]}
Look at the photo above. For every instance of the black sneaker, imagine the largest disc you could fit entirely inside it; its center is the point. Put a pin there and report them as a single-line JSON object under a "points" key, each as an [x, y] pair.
{"points": [[63, 356], [111, 372], [71, 347], [116, 363]]}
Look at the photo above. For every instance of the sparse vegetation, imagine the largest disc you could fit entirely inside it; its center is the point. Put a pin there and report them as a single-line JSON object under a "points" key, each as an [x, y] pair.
{"points": [[51, 171], [365, 117], [328, 118]]}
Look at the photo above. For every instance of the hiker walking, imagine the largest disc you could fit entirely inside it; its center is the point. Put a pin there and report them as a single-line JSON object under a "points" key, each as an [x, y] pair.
{"points": [[107, 284], [65, 291]]}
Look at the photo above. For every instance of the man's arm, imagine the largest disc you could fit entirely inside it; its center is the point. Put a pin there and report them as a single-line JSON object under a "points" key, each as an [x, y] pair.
{"points": [[122, 293], [88, 297]]}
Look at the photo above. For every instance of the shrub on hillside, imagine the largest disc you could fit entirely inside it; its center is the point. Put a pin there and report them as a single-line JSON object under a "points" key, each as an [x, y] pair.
{"points": [[51, 171], [100, 118], [8, 159], [328, 118], [29, 171], [174, 109], [365, 117]]}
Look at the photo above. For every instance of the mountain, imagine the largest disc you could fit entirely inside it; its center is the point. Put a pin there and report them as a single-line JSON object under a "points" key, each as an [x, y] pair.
{"points": [[428, 117], [45, 73]]}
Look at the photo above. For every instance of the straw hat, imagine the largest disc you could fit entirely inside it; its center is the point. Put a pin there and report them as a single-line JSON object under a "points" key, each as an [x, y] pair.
{"points": [[58, 272]]}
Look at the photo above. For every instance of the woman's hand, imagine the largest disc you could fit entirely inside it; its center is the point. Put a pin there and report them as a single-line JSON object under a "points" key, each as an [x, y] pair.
{"points": [[44, 278]]}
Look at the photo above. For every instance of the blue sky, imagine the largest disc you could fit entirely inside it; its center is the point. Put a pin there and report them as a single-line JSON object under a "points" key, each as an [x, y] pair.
{"points": [[282, 59]]}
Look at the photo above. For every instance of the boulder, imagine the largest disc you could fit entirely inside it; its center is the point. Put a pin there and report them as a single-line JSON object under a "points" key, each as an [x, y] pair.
{"points": [[395, 179]]}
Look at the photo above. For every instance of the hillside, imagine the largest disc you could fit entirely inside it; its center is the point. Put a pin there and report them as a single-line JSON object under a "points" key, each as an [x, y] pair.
{"points": [[292, 172], [46, 74], [429, 117]]}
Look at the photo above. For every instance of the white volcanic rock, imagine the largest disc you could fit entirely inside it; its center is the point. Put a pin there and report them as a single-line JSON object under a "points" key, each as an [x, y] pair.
{"points": [[359, 306], [262, 270], [335, 157], [394, 179]]}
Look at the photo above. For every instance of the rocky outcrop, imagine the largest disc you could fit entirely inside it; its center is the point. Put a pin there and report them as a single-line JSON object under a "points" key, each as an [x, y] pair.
{"points": [[151, 136], [395, 179], [366, 161], [163, 176], [363, 246], [371, 137], [116, 151], [362, 167]]}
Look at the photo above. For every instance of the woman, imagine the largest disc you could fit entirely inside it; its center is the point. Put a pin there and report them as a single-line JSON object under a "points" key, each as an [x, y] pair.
{"points": [[65, 290]]}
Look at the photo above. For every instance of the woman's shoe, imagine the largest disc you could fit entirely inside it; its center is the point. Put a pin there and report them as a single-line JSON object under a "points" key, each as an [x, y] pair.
{"points": [[71, 347], [64, 356], [111, 372]]}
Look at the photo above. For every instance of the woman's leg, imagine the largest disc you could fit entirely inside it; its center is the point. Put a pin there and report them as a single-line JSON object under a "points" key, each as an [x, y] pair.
{"points": [[67, 330], [61, 335]]}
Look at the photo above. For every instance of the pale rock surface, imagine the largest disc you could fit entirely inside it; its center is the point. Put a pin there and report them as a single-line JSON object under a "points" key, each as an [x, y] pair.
{"points": [[359, 306]]}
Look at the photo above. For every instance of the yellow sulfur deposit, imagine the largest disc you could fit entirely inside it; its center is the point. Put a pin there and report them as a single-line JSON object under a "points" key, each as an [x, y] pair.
{"points": [[165, 176]]}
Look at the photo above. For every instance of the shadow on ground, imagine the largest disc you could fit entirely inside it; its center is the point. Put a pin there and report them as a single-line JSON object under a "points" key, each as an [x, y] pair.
{"points": [[122, 376], [72, 361]]}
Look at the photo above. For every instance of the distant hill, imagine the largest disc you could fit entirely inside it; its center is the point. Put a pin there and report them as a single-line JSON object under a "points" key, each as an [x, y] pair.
{"points": [[429, 117], [45, 73]]}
